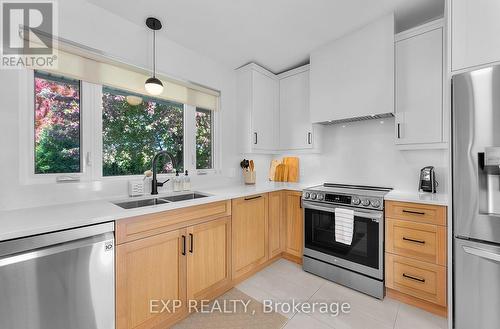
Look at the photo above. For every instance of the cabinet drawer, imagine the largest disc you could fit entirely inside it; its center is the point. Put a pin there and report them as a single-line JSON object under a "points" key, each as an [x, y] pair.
{"points": [[418, 279], [416, 212], [424, 242]]}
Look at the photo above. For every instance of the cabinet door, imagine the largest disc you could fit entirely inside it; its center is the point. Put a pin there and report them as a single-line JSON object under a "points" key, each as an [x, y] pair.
{"points": [[264, 111], [277, 224], [249, 233], [295, 124], [475, 27], [294, 224], [148, 271], [209, 258], [419, 89]]}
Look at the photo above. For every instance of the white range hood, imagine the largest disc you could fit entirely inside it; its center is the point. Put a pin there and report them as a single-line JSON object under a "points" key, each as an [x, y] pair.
{"points": [[352, 78]]}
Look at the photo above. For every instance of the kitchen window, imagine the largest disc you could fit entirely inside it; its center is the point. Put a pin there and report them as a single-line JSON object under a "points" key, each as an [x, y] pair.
{"points": [[132, 133], [56, 125], [204, 139], [83, 131]]}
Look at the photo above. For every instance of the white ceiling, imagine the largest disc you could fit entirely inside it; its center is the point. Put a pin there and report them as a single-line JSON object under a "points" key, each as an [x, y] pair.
{"points": [[278, 34]]}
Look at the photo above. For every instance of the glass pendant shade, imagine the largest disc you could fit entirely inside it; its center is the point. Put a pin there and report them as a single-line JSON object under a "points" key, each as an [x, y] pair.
{"points": [[153, 86]]}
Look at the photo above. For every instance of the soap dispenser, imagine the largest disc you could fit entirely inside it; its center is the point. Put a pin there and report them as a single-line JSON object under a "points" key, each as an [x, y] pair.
{"points": [[177, 182], [186, 182]]}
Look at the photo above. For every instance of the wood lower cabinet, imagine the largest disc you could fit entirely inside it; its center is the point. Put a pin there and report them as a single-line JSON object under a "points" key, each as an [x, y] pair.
{"points": [[209, 258], [294, 217], [149, 269], [415, 254], [249, 234], [277, 223], [193, 262]]}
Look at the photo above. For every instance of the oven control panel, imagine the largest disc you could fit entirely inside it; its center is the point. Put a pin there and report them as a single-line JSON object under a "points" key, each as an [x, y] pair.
{"points": [[338, 198], [352, 200]]}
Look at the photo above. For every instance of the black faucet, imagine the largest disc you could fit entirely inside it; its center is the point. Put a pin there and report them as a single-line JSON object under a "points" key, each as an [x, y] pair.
{"points": [[155, 184]]}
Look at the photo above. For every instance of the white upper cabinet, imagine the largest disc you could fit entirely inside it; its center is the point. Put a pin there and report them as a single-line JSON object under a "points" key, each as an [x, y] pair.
{"points": [[475, 27], [273, 111], [419, 85], [295, 128], [258, 100], [354, 76]]}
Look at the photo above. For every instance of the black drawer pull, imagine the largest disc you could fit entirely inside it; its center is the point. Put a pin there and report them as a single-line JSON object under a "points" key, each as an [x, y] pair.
{"points": [[191, 242], [414, 212], [184, 245], [413, 278], [413, 240], [253, 198]]}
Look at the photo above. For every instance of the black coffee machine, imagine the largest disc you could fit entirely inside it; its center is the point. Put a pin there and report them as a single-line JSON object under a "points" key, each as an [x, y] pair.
{"points": [[428, 181]]}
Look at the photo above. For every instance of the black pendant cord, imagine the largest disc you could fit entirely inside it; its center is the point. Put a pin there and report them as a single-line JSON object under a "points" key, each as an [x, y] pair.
{"points": [[154, 54]]}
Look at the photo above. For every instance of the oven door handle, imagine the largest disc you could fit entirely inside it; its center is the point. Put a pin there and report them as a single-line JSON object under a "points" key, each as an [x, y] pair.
{"points": [[374, 216]]}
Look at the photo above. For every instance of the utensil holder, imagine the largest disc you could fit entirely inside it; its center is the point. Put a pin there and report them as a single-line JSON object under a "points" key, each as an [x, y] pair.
{"points": [[249, 177]]}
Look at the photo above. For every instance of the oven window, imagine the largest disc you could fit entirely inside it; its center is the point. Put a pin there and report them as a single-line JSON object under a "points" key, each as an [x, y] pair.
{"points": [[320, 236]]}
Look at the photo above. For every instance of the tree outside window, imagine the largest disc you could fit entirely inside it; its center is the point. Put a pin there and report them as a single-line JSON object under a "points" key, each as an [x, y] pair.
{"points": [[133, 134]]}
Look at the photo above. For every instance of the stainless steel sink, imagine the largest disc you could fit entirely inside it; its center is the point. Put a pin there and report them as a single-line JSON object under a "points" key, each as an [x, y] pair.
{"points": [[140, 203], [131, 204], [184, 197]]}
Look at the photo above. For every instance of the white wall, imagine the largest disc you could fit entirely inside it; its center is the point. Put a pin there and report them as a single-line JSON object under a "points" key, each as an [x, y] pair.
{"points": [[89, 25], [364, 153]]}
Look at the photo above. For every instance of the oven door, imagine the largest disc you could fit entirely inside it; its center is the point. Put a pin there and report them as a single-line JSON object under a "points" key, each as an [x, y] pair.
{"points": [[364, 255]]}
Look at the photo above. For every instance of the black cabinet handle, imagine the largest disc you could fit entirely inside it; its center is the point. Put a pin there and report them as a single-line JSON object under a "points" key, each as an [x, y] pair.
{"points": [[253, 198], [183, 245], [413, 278], [191, 238], [413, 240], [399, 130], [309, 138], [256, 140], [414, 212]]}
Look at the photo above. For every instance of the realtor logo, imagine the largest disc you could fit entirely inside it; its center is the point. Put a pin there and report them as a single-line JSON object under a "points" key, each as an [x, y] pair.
{"points": [[27, 34]]}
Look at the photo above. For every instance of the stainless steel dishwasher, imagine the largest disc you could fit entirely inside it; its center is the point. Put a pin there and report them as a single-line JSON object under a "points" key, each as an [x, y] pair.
{"points": [[60, 280]]}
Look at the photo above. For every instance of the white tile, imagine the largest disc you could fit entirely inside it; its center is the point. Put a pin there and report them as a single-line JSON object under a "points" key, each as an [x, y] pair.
{"points": [[303, 321], [294, 273], [352, 320], [410, 317], [281, 288], [382, 312]]}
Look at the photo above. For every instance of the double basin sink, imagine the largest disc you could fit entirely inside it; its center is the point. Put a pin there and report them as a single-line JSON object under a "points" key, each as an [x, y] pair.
{"points": [[159, 200]]}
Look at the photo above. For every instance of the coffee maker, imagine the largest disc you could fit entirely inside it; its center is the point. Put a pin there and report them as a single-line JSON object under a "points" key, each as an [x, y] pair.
{"points": [[428, 181]]}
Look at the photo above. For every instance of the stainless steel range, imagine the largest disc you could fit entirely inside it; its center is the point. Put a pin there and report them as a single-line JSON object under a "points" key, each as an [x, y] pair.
{"points": [[360, 263]]}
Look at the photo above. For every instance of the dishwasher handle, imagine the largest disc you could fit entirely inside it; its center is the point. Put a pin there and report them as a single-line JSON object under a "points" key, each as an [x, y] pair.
{"points": [[106, 238]]}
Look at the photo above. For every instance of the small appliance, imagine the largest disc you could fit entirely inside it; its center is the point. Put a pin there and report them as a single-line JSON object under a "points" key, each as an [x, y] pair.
{"points": [[427, 181]]}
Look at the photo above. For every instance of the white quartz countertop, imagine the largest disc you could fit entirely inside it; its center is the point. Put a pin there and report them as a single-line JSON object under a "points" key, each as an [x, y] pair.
{"points": [[31, 221], [418, 197]]}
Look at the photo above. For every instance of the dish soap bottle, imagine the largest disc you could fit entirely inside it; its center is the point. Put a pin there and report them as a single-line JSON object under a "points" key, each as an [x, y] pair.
{"points": [[186, 182], [177, 182]]}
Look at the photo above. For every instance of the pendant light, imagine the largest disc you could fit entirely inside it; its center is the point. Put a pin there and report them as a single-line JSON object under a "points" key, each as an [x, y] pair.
{"points": [[153, 85]]}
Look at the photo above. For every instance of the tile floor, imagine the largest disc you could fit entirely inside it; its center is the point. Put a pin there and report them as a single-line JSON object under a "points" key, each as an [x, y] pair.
{"points": [[284, 280]]}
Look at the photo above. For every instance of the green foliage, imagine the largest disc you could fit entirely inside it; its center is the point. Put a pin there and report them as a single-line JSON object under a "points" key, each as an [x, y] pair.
{"points": [[203, 139], [133, 134]]}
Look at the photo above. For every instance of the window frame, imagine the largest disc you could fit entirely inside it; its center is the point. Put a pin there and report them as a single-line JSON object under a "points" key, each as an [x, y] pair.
{"points": [[91, 147]]}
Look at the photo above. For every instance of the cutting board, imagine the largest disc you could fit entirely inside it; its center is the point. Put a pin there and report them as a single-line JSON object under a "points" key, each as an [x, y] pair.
{"points": [[281, 173], [292, 165], [272, 169]]}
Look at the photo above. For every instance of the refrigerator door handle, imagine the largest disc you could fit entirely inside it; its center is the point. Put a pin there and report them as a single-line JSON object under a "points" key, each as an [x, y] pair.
{"points": [[482, 253]]}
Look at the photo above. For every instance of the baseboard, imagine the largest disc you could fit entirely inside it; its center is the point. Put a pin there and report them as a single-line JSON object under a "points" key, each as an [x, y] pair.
{"points": [[417, 302], [292, 258]]}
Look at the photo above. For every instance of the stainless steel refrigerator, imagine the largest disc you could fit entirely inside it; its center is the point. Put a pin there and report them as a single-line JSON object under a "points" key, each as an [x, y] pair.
{"points": [[476, 199]]}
